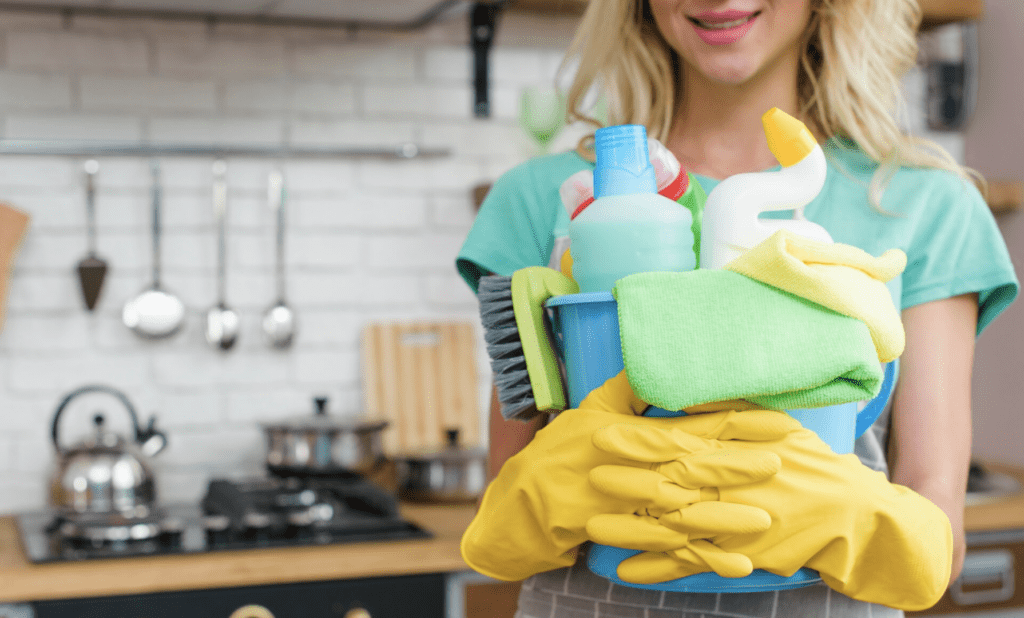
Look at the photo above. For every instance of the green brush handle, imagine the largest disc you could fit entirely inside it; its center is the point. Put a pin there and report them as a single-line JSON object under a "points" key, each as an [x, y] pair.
{"points": [[531, 288]]}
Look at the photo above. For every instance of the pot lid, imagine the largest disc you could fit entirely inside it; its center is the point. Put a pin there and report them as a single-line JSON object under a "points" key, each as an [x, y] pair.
{"points": [[452, 451], [100, 441], [320, 420]]}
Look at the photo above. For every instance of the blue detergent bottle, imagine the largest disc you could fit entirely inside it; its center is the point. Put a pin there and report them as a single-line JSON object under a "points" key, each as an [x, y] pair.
{"points": [[628, 228]]}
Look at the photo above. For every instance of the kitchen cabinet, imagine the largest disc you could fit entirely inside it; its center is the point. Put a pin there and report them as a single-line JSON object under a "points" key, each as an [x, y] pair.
{"points": [[992, 582], [383, 597], [472, 595], [492, 599], [938, 12], [1005, 195]]}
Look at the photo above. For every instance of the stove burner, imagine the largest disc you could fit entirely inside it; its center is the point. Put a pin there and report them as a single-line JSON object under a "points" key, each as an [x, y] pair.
{"points": [[276, 510], [234, 515], [77, 536]]}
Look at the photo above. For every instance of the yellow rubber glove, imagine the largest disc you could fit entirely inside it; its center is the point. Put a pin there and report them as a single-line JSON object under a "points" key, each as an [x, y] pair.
{"points": [[868, 538], [533, 516]]}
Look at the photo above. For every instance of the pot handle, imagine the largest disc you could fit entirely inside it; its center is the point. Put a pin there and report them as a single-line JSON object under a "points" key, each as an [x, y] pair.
{"points": [[94, 388], [151, 440]]}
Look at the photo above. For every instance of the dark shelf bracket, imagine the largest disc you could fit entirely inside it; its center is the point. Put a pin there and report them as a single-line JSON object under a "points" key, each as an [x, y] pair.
{"points": [[483, 18]]}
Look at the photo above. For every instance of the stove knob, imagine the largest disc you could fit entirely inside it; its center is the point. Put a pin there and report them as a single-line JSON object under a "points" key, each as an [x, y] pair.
{"points": [[357, 612], [253, 611]]}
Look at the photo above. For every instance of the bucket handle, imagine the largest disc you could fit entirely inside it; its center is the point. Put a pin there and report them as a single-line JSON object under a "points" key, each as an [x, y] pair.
{"points": [[531, 288], [867, 416]]}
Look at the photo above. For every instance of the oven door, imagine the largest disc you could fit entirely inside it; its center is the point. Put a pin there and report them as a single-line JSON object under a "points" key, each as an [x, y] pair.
{"points": [[992, 582], [421, 596]]}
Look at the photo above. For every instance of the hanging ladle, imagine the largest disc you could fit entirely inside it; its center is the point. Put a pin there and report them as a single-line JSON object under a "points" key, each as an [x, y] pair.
{"points": [[279, 318], [155, 313], [91, 269], [221, 321]]}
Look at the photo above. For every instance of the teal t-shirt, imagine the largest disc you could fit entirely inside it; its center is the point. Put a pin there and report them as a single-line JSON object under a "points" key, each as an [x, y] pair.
{"points": [[939, 220]]}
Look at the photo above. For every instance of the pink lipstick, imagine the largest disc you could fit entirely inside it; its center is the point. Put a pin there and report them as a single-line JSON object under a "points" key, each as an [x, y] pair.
{"points": [[723, 27]]}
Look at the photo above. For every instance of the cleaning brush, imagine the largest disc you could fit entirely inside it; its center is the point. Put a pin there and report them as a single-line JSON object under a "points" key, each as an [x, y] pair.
{"points": [[508, 363], [526, 371]]}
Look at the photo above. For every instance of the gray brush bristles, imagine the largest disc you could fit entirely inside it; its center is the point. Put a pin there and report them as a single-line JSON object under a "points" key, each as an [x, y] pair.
{"points": [[508, 363]]}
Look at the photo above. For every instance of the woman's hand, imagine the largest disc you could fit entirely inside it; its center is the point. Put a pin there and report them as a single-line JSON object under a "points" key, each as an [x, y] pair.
{"points": [[869, 539], [533, 516]]}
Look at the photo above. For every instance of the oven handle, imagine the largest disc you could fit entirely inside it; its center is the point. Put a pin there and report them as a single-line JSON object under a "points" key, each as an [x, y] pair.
{"points": [[982, 568], [252, 611]]}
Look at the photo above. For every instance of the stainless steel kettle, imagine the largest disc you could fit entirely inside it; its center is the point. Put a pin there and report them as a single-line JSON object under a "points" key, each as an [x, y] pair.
{"points": [[106, 474]]}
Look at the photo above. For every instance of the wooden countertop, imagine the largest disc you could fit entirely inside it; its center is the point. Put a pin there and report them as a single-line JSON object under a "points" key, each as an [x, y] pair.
{"points": [[1004, 514], [21, 580]]}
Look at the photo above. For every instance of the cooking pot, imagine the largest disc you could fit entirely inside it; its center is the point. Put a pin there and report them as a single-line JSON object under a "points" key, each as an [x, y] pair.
{"points": [[319, 445], [452, 474], [105, 474]]}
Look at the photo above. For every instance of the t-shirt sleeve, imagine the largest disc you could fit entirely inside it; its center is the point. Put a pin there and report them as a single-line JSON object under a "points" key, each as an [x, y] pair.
{"points": [[957, 248], [512, 229]]}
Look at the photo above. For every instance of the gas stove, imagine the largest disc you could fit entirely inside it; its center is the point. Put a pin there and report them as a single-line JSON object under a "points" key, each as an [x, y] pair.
{"points": [[234, 514]]}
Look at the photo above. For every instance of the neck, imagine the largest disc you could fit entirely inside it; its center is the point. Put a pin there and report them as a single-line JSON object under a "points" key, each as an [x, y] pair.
{"points": [[717, 128]]}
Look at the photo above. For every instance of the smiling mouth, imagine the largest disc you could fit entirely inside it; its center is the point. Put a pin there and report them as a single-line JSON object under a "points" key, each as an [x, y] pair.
{"points": [[723, 25]]}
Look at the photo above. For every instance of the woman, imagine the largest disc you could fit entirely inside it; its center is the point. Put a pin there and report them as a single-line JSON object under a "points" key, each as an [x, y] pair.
{"points": [[699, 74]]}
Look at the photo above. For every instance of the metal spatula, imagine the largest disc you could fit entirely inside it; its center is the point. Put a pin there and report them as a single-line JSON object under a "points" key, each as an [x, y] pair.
{"points": [[91, 269]]}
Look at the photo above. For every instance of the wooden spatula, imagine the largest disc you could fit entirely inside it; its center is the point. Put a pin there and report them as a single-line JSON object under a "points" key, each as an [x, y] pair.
{"points": [[13, 224]]}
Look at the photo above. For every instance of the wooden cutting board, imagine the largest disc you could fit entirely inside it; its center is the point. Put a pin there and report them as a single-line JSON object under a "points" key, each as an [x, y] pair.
{"points": [[421, 377]]}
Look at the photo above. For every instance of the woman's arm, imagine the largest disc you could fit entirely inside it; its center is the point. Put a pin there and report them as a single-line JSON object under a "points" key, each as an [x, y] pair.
{"points": [[507, 437], [931, 422]]}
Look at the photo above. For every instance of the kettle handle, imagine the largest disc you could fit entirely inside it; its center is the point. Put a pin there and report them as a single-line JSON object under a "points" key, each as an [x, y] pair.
{"points": [[93, 388]]}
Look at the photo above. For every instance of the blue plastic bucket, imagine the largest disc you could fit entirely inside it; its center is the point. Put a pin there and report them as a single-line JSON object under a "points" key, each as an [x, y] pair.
{"points": [[586, 328]]}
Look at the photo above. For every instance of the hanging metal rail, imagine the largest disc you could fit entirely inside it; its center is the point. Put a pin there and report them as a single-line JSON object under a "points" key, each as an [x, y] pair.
{"points": [[60, 148], [69, 11]]}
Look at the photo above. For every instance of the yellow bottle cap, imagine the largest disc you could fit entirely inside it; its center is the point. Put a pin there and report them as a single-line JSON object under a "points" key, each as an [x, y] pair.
{"points": [[788, 138]]}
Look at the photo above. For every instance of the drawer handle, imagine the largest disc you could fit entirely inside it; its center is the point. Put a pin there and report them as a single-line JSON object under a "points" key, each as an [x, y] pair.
{"points": [[984, 569], [252, 611]]}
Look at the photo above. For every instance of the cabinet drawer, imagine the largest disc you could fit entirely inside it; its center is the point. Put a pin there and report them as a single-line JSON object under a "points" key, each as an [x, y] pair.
{"points": [[383, 597], [992, 583]]}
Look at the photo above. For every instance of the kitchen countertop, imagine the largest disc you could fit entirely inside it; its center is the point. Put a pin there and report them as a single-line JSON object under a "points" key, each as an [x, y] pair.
{"points": [[1004, 514], [21, 580]]}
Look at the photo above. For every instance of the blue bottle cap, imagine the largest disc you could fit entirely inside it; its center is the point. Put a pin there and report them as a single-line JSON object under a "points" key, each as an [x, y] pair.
{"points": [[623, 165]]}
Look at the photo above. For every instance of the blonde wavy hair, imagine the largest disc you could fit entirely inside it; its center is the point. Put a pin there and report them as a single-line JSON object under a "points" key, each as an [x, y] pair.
{"points": [[854, 55]]}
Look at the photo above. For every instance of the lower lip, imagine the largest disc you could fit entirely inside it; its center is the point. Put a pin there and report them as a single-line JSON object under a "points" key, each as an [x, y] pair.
{"points": [[724, 36]]}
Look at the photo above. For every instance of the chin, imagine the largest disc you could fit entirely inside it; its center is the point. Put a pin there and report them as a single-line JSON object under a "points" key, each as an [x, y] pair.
{"points": [[730, 73]]}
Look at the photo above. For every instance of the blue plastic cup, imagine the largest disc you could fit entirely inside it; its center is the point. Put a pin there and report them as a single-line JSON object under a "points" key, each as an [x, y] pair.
{"points": [[586, 329]]}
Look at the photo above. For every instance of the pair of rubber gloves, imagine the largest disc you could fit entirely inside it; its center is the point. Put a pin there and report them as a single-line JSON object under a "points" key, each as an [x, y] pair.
{"points": [[725, 491]]}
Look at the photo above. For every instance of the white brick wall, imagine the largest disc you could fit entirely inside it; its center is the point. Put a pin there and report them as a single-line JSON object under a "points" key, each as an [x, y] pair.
{"points": [[367, 239]]}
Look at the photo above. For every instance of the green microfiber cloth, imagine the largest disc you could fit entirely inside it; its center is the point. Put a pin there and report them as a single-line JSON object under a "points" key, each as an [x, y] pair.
{"points": [[712, 335]]}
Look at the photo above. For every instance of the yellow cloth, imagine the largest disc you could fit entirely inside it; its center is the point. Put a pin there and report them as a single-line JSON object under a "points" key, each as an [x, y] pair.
{"points": [[841, 277], [534, 514], [868, 538]]}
